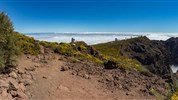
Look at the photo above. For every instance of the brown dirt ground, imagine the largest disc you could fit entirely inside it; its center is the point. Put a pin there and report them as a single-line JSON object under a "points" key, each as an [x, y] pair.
{"points": [[82, 81]]}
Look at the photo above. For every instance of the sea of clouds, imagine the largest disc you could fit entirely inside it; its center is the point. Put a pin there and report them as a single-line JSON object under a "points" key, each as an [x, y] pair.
{"points": [[98, 37]]}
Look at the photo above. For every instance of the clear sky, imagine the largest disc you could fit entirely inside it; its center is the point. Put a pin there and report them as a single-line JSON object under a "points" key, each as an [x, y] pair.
{"points": [[92, 15]]}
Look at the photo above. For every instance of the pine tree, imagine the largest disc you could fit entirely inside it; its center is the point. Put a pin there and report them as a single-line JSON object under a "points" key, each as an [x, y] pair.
{"points": [[8, 48]]}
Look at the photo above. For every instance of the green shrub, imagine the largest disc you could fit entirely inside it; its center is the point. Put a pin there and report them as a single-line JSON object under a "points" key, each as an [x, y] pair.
{"points": [[28, 45], [51, 45], [82, 47], [156, 94], [66, 49], [81, 56], [175, 96], [1, 61], [145, 72], [71, 50], [8, 47]]}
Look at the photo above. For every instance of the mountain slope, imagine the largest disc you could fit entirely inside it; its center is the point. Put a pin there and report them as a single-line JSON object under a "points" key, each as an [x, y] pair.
{"points": [[79, 71]]}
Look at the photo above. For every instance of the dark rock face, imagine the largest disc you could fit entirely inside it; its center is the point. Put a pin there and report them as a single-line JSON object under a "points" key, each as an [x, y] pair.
{"points": [[157, 56], [152, 54], [172, 46]]}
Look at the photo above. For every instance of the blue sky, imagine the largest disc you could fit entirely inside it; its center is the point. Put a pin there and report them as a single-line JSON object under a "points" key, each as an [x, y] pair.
{"points": [[92, 15]]}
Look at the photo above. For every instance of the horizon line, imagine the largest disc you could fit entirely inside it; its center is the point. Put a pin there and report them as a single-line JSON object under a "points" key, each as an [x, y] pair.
{"points": [[96, 32]]}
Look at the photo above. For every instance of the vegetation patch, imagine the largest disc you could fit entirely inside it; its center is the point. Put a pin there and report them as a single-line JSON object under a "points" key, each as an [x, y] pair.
{"points": [[8, 47], [81, 56], [156, 94], [128, 64], [175, 96], [116, 48], [28, 45], [82, 47], [77, 50], [66, 49]]}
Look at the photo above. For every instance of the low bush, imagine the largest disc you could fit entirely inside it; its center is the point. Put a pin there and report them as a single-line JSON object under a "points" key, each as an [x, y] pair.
{"points": [[156, 94], [82, 56], [28, 45]]}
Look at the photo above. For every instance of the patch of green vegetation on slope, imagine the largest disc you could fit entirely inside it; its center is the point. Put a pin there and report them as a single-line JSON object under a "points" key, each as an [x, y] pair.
{"points": [[66, 49], [28, 45], [115, 48], [82, 56], [175, 96], [75, 50], [128, 64]]}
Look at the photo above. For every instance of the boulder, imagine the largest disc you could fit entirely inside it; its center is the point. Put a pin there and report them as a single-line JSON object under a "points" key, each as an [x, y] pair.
{"points": [[110, 64], [22, 95], [4, 84], [30, 68], [26, 82], [13, 93], [22, 87], [13, 75], [45, 77], [20, 71], [4, 93], [86, 76], [64, 68], [26, 76], [13, 84], [37, 65]]}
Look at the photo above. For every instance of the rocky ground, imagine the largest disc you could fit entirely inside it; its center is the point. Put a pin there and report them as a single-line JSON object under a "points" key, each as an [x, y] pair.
{"points": [[131, 84], [13, 85], [51, 77]]}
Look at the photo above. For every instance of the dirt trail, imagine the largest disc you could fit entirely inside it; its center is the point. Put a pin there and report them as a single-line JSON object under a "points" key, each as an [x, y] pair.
{"points": [[50, 83]]}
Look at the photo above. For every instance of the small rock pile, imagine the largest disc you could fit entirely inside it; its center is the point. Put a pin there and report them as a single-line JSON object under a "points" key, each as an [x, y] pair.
{"points": [[13, 85]]}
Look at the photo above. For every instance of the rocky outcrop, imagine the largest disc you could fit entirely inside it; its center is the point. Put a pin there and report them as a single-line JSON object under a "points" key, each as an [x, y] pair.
{"points": [[152, 54], [156, 56], [172, 46]]}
